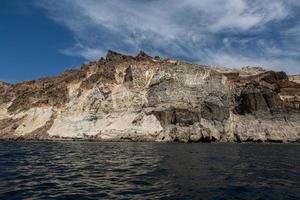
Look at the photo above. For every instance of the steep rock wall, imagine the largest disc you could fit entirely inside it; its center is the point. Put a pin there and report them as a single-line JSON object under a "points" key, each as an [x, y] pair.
{"points": [[125, 98]]}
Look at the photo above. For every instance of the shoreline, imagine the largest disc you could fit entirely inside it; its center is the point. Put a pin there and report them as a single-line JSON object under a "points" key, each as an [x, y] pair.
{"points": [[145, 141]]}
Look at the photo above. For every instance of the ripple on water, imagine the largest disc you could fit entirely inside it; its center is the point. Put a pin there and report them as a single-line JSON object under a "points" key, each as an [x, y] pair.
{"points": [[88, 170]]}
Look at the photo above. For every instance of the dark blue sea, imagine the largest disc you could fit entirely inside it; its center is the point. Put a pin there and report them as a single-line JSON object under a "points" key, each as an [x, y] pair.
{"points": [[91, 170]]}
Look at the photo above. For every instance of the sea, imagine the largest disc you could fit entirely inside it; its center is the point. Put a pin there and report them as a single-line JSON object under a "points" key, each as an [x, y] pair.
{"points": [[126, 170]]}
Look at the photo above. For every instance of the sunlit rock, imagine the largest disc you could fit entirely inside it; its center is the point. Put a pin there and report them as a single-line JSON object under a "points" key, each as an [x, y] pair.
{"points": [[126, 98]]}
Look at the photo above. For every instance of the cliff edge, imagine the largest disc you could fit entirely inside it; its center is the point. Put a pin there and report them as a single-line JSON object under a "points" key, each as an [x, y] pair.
{"points": [[126, 98]]}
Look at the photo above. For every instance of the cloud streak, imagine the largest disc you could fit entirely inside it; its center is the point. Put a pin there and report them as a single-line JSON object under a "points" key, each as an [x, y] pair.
{"points": [[218, 32]]}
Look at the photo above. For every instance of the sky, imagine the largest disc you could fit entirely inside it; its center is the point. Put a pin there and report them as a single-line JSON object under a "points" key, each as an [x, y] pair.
{"points": [[44, 37]]}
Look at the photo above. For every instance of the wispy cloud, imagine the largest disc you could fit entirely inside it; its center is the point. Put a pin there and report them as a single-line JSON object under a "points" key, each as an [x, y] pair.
{"points": [[83, 51], [218, 32], [226, 60]]}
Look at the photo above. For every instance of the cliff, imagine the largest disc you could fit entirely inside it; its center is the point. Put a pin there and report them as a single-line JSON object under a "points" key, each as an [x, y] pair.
{"points": [[126, 98]]}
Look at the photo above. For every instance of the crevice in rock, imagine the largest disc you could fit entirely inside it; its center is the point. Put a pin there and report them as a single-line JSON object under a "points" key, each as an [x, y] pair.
{"points": [[128, 75]]}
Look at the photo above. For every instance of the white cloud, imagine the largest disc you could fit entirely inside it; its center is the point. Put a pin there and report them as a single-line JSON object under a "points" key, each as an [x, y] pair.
{"points": [[196, 30], [85, 52], [238, 61], [238, 14]]}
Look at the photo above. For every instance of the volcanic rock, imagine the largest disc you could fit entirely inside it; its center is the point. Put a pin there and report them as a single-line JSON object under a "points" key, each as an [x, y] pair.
{"points": [[127, 98]]}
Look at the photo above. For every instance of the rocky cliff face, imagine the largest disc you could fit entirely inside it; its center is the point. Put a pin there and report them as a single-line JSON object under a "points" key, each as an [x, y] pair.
{"points": [[140, 98]]}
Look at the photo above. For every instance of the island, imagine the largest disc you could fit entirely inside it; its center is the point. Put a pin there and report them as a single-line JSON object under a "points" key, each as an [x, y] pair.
{"points": [[144, 98]]}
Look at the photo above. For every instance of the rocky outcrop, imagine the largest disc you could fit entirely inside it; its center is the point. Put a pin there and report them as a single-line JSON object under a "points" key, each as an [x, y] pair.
{"points": [[295, 78], [126, 98]]}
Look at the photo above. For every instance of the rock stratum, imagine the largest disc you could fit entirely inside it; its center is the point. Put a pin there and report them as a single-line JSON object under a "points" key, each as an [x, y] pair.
{"points": [[126, 98]]}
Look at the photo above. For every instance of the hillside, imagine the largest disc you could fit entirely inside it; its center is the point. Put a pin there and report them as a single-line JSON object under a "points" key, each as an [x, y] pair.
{"points": [[126, 98]]}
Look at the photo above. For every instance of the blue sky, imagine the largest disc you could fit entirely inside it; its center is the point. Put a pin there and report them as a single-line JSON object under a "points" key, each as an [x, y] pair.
{"points": [[44, 37]]}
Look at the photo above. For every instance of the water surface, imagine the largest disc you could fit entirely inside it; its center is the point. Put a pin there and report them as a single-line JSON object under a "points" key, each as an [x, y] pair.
{"points": [[91, 170]]}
